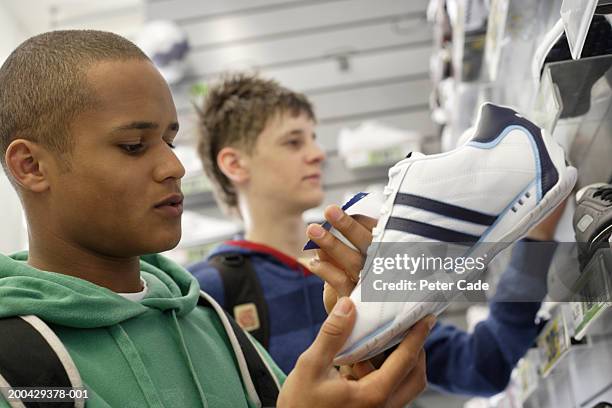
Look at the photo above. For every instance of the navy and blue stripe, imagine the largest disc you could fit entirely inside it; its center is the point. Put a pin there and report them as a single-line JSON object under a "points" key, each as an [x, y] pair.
{"points": [[444, 209], [447, 210], [430, 231]]}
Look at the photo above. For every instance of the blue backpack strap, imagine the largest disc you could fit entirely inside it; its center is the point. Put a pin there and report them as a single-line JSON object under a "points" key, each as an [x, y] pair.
{"points": [[257, 376], [31, 355]]}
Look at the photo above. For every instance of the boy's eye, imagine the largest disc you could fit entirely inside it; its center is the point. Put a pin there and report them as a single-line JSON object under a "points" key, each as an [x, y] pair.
{"points": [[294, 142], [171, 145], [132, 148]]}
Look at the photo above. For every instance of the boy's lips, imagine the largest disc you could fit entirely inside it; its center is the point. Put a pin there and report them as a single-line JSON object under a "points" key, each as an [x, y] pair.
{"points": [[314, 176], [171, 206]]}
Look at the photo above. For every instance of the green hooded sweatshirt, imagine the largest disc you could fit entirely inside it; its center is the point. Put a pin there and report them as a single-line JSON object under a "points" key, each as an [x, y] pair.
{"points": [[160, 352]]}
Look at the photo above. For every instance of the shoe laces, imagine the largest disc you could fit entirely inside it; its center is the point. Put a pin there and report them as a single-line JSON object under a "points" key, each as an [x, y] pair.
{"points": [[393, 171], [397, 168], [388, 192], [605, 193]]}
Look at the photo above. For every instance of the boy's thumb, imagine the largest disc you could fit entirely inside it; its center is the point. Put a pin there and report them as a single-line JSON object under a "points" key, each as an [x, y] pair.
{"points": [[332, 336]]}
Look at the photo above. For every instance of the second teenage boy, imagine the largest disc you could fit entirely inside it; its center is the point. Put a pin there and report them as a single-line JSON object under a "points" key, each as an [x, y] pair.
{"points": [[259, 151]]}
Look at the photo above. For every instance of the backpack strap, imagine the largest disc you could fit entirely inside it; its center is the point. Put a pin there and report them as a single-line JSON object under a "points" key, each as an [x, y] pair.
{"points": [[244, 297], [257, 376], [31, 355]]}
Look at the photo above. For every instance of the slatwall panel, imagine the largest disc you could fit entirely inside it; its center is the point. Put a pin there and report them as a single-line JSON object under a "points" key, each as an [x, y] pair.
{"points": [[372, 66], [296, 50], [325, 76], [386, 45], [339, 106], [308, 18], [193, 10]]}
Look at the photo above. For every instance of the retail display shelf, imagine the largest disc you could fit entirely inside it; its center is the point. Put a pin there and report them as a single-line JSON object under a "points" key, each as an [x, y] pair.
{"points": [[538, 57]]}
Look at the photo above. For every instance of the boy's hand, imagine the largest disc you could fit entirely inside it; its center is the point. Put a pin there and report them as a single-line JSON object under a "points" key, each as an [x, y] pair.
{"points": [[314, 382], [336, 263]]}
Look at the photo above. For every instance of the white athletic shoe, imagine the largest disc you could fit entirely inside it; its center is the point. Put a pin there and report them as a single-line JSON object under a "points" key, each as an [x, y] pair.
{"points": [[485, 195]]}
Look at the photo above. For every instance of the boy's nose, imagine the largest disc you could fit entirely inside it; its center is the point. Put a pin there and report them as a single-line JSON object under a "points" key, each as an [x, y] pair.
{"points": [[317, 154], [170, 167]]}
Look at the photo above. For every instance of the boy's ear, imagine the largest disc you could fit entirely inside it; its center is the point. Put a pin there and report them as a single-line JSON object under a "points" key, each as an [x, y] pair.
{"points": [[24, 160], [232, 162]]}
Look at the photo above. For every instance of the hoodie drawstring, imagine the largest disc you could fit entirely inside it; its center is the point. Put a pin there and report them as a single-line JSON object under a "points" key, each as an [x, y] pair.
{"points": [[185, 352], [137, 366]]}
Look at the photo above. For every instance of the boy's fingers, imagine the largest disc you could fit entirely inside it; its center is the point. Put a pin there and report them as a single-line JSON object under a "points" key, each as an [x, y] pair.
{"points": [[363, 368], [324, 256], [368, 222], [403, 360], [318, 358], [410, 347], [413, 385], [330, 297], [344, 257], [355, 232], [342, 283]]}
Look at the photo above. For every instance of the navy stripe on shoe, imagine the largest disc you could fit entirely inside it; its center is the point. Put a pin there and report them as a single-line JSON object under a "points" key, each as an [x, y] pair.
{"points": [[429, 231], [448, 210]]}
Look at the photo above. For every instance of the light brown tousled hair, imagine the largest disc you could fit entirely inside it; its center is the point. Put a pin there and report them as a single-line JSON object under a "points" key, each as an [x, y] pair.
{"points": [[234, 113]]}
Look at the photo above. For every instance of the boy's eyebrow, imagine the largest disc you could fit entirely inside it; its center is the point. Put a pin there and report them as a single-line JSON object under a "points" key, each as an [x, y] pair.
{"points": [[298, 132], [143, 125], [139, 125]]}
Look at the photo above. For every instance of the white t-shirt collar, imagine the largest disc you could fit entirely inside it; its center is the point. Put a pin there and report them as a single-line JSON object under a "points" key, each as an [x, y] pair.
{"points": [[136, 296]]}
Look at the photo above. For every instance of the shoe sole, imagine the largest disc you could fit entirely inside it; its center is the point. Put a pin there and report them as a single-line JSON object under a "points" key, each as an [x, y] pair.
{"points": [[392, 332]]}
